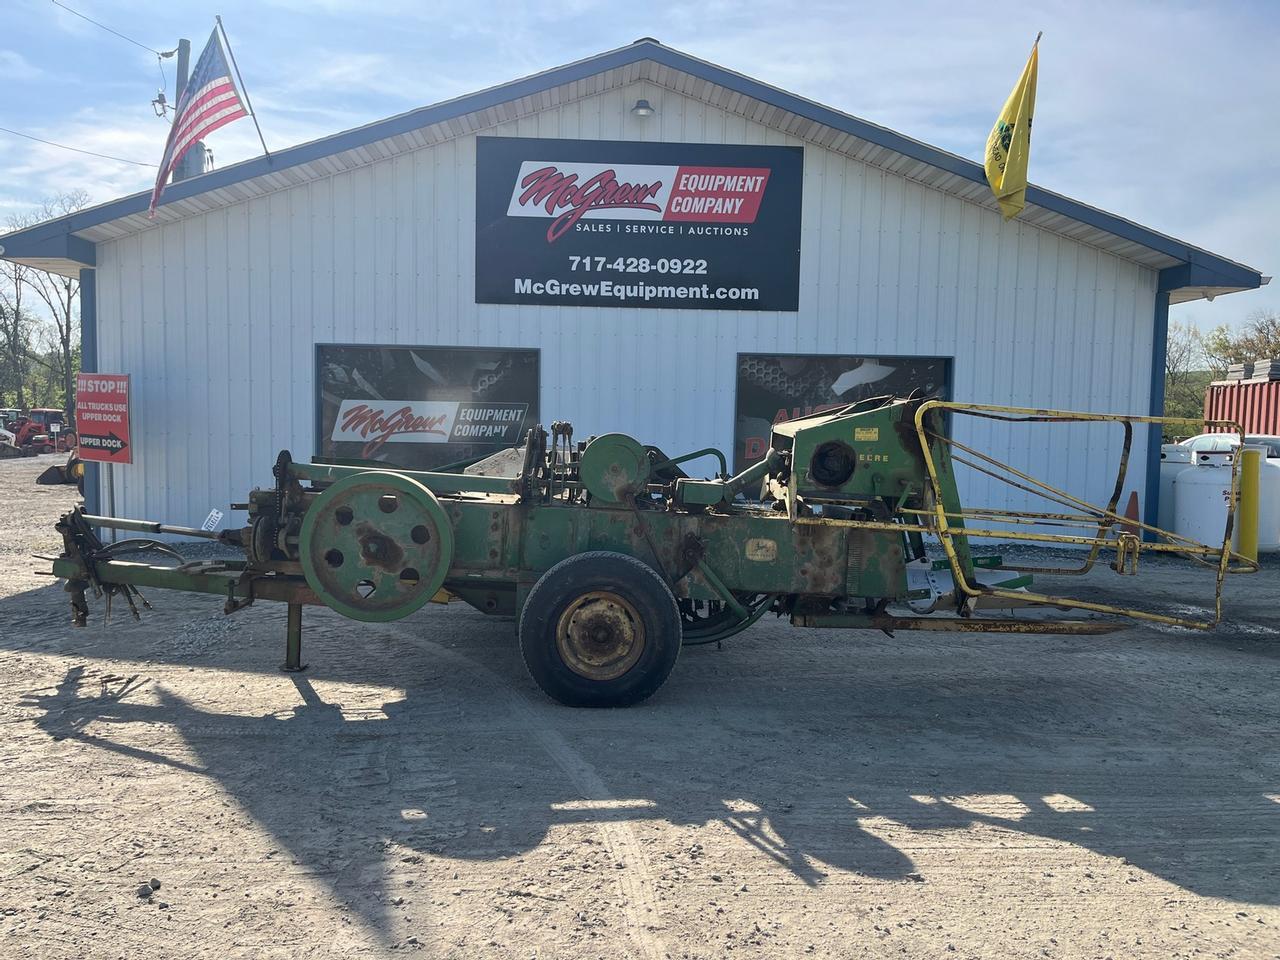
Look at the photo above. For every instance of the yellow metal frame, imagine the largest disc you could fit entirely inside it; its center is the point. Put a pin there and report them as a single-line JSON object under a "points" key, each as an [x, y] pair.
{"points": [[1126, 543]]}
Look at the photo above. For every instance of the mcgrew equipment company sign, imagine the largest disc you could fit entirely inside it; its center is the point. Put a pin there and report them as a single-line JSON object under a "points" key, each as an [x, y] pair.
{"points": [[421, 407], [593, 223]]}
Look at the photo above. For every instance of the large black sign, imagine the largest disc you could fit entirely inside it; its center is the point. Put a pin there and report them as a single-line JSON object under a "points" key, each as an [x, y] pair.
{"points": [[776, 388], [422, 407], [598, 223]]}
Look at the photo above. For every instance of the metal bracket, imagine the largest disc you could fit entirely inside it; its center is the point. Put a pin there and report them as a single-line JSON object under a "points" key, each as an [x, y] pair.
{"points": [[1128, 546], [234, 603]]}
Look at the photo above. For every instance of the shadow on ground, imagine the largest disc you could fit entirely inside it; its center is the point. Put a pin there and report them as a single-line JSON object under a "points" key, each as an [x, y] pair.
{"points": [[806, 761]]}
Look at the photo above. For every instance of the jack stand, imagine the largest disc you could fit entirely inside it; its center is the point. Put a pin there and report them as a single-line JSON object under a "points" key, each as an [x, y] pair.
{"points": [[293, 641]]}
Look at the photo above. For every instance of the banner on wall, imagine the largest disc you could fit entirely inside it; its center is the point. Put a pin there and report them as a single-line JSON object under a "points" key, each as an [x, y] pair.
{"points": [[422, 407], [772, 389], [598, 223]]}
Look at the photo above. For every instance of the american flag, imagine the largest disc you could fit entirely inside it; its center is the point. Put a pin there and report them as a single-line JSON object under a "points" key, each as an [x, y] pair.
{"points": [[209, 101]]}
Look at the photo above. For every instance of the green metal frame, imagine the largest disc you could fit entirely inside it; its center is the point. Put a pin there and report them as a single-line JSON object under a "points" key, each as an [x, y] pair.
{"points": [[848, 497]]}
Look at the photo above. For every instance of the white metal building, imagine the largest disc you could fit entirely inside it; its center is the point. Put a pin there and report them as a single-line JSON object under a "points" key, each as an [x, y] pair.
{"points": [[216, 306]]}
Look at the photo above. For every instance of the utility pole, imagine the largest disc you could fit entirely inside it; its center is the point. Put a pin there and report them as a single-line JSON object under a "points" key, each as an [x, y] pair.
{"points": [[192, 165]]}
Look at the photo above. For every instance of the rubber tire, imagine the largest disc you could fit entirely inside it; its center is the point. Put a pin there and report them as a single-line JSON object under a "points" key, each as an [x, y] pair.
{"points": [[72, 462], [568, 580]]}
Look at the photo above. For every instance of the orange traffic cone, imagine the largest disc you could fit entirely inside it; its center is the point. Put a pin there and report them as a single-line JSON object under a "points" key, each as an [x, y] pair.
{"points": [[1131, 514]]}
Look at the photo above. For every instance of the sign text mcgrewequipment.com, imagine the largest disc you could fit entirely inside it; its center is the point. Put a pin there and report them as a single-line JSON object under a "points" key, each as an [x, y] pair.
{"points": [[593, 223], [102, 417]]}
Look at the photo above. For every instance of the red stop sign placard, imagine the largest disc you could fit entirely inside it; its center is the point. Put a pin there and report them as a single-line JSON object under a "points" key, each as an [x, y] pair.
{"points": [[102, 417]]}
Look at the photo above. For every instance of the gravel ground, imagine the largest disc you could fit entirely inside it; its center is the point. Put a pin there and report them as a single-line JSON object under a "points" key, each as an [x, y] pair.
{"points": [[800, 792]]}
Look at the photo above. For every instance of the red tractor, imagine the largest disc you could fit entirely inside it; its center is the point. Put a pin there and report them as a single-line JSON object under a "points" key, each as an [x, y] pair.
{"points": [[42, 430]]}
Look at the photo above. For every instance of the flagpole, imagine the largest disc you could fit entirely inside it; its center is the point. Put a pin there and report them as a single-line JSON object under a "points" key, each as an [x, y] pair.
{"points": [[243, 89]]}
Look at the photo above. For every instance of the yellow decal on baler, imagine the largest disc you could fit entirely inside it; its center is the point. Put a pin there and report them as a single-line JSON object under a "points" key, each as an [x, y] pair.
{"points": [[871, 434]]}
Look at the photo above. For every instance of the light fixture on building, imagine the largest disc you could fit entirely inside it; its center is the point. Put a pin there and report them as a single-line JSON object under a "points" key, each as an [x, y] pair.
{"points": [[643, 108]]}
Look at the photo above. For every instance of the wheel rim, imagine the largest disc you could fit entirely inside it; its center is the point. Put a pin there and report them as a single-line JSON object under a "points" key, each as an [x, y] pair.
{"points": [[709, 622], [375, 546], [600, 635]]}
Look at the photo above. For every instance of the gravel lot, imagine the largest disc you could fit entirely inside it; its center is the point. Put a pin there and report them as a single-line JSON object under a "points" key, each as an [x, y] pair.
{"points": [[796, 793]]}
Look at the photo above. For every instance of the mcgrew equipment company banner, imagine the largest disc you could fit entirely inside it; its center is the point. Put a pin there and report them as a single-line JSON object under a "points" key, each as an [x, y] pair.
{"points": [[422, 407], [598, 223]]}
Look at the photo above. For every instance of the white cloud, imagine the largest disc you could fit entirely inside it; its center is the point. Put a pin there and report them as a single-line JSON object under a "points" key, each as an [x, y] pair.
{"points": [[14, 66], [337, 76]]}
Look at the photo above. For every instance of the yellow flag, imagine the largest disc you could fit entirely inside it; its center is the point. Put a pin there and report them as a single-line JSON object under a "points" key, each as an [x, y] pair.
{"points": [[1009, 146]]}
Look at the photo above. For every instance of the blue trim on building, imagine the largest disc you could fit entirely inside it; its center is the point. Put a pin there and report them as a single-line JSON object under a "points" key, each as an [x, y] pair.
{"points": [[1155, 436], [624, 56], [59, 246], [1199, 273], [89, 364]]}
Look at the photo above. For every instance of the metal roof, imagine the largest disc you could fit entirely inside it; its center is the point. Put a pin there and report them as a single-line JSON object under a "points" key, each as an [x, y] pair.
{"points": [[66, 244]]}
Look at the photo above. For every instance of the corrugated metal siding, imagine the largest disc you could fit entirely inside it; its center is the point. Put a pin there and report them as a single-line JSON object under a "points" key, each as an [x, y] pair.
{"points": [[1254, 405], [216, 315]]}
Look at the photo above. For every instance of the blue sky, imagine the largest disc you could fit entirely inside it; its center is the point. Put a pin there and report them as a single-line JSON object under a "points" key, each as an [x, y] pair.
{"points": [[1162, 112]]}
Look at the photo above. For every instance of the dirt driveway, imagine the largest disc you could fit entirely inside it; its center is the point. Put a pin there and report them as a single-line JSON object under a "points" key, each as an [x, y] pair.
{"points": [[796, 793]]}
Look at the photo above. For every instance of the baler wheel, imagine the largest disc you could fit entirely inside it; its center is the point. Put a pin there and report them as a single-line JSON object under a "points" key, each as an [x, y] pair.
{"points": [[600, 629], [712, 622]]}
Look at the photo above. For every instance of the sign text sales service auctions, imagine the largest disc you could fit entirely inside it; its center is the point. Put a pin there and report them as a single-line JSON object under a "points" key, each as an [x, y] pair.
{"points": [[596, 223]]}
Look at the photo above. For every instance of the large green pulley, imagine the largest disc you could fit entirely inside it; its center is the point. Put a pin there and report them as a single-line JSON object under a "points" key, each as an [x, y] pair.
{"points": [[614, 467], [376, 546]]}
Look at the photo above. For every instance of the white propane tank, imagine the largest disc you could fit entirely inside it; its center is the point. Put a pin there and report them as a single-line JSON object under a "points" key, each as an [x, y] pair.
{"points": [[1269, 507], [1173, 460], [1200, 497]]}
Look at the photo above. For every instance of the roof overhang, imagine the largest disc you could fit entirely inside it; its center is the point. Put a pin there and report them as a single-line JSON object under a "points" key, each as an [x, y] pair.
{"points": [[59, 252], [1203, 279], [1187, 272]]}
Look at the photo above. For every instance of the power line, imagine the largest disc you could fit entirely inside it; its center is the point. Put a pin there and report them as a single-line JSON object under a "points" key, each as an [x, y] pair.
{"points": [[160, 55], [117, 33], [63, 146]]}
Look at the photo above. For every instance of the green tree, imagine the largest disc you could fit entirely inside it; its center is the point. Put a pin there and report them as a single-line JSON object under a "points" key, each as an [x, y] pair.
{"points": [[1258, 338], [40, 322], [17, 331], [61, 297], [1183, 381]]}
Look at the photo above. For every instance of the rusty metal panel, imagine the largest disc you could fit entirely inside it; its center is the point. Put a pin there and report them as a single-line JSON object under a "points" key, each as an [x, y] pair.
{"points": [[1253, 405]]}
